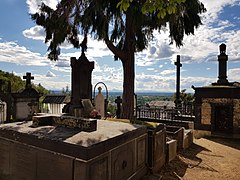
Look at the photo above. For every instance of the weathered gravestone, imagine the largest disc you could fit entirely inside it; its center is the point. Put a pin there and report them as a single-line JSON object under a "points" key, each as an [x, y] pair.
{"points": [[100, 102]]}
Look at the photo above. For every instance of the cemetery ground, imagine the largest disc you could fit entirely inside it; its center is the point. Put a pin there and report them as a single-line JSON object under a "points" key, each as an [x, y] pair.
{"points": [[208, 158]]}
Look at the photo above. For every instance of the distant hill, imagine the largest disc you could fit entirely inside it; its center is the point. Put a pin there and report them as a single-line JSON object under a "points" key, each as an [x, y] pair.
{"points": [[17, 84]]}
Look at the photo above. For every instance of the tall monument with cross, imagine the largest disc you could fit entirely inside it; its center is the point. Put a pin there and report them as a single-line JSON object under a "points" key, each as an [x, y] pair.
{"points": [[179, 65], [81, 80]]}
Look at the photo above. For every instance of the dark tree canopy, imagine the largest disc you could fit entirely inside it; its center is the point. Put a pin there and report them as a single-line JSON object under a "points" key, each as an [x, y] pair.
{"points": [[125, 30], [105, 21]]}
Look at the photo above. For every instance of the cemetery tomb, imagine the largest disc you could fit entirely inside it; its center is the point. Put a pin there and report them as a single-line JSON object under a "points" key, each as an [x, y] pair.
{"points": [[217, 105], [114, 150], [26, 102]]}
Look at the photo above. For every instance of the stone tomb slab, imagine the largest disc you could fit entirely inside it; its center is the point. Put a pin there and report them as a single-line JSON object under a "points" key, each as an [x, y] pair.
{"points": [[5, 152], [23, 162], [115, 150], [52, 166]]}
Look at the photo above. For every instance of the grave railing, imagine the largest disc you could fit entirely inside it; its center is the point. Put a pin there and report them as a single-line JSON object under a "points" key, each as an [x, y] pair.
{"points": [[186, 112]]}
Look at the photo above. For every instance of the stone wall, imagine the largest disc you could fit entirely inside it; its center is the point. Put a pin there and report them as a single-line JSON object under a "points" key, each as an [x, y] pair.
{"points": [[236, 113], [206, 113], [206, 109]]}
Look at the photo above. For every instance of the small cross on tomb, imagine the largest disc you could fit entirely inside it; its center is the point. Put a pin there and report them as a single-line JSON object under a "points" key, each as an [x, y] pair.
{"points": [[28, 78], [118, 101]]}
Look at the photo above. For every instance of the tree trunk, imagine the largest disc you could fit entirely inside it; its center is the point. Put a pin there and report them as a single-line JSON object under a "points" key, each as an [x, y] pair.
{"points": [[128, 62], [128, 87], [127, 57]]}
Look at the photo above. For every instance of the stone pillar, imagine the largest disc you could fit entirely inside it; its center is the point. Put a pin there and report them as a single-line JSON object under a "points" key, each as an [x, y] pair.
{"points": [[222, 67], [179, 65]]}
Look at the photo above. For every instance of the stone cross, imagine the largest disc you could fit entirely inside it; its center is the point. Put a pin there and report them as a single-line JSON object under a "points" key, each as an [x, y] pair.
{"points": [[28, 78], [118, 101], [179, 65]]}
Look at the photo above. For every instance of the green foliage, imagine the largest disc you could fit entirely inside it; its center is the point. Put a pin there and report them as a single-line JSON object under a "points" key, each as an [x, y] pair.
{"points": [[112, 109], [41, 89], [142, 100], [185, 97], [66, 91], [161, 7], [17, 84]]}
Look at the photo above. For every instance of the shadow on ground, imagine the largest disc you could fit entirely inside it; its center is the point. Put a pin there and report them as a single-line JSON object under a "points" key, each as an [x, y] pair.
{"points": [[176, 169], [230, 142]]}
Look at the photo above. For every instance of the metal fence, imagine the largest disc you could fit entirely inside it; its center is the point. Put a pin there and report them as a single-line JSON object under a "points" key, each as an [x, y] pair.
{"points": [[163, 113]]}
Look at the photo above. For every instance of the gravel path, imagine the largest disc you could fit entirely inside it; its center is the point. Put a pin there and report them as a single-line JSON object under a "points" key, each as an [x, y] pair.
{"points": [[208, 158]]}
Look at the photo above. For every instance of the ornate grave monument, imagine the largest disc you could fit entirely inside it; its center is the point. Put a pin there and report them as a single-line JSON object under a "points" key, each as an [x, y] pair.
{"points": [[26, 103], [81, 83], [217, 106]]}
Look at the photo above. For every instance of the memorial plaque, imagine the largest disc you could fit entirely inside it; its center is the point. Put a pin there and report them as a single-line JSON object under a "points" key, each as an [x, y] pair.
{"points": [[123, 161], [52, 166], [23, 162], [159, 150]]}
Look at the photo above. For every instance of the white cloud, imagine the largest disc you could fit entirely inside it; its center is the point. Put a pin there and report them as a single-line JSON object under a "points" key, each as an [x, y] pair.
{"points": [[168, 72], [34, 5], [201, 47], [53, 83], [12, 52], [50, 74], [233, 74], [36, 33]]}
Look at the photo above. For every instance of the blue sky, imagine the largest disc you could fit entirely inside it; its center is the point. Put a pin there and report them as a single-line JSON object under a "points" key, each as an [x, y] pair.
{"points": [[22, 50]]}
